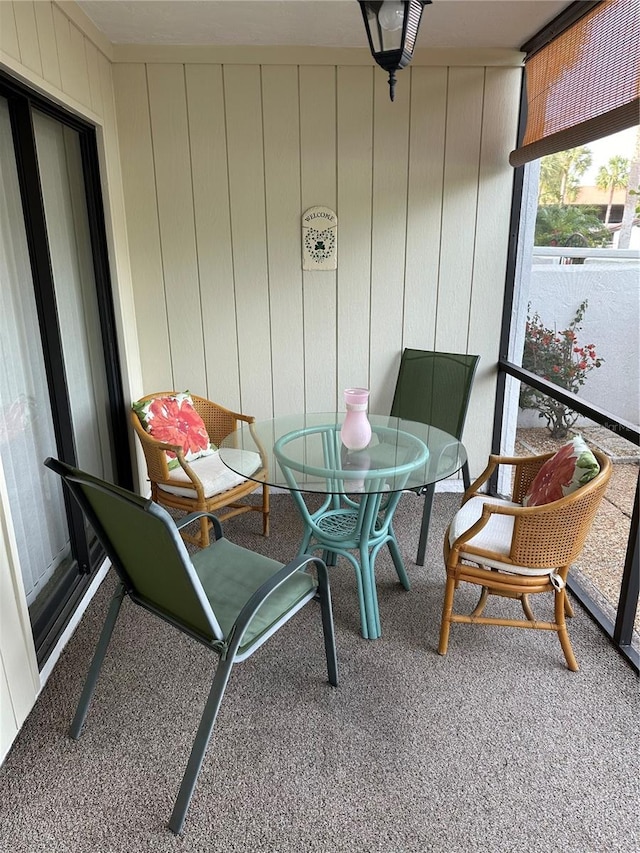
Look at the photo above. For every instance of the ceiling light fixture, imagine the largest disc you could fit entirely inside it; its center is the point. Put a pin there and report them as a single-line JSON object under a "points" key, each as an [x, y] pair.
{"points": [[392, 29]]}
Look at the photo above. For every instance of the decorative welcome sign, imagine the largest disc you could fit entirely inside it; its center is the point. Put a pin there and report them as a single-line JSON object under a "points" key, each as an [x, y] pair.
{"points": [[319, 239]]}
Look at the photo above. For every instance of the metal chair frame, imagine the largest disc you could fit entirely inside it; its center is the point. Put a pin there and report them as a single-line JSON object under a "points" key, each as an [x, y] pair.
{"points": [[230, 646], [421, 375]]}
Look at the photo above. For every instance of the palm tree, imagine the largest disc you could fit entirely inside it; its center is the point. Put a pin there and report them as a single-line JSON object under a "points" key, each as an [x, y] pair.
{"points": [[569, 225], [631, 205], [560, 174], [614, 176]]}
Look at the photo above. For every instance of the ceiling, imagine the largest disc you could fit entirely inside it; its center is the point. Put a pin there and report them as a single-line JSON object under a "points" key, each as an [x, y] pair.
{"points": [[325, 23]]}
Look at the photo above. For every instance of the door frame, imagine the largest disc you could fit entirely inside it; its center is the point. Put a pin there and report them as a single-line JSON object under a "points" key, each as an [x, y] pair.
{"points": [[22, 100]]}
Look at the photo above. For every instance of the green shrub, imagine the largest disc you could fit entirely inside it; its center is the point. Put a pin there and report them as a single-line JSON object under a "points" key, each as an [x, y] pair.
{"points": [[559, 358]]}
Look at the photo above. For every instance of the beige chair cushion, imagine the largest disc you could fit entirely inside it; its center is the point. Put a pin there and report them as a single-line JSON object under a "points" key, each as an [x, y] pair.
{"points": [[215, 476], [495, 536]]}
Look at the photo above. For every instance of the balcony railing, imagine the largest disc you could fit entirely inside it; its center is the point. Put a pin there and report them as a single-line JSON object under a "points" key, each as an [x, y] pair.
{"points": [[569, 254]]}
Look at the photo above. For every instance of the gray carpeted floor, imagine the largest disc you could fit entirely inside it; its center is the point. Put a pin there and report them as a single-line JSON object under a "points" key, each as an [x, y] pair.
{"points": [[495, 747]]}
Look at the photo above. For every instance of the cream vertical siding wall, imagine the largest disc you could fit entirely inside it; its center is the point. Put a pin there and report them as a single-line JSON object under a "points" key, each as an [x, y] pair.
{"points": [[220, 158], [53, 48]]}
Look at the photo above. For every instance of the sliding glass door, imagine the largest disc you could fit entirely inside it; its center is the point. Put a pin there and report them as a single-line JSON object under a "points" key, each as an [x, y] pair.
{"points": [[59, 375], [63, 192], [26, 426]]}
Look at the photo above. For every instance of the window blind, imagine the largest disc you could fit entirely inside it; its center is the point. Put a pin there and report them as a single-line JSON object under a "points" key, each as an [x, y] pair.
{"points": [[585, 83]]}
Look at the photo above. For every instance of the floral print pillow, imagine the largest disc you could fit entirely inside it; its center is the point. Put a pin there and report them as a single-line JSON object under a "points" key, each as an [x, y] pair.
{"points": [[571, 467], [174, 420]]}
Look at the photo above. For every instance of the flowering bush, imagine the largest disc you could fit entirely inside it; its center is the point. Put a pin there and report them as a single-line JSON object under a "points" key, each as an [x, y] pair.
{"points": [[557, 357]]}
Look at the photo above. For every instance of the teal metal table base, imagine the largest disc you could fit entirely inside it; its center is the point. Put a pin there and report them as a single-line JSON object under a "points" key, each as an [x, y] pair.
{"points": [[342, 526], [355, 517]]}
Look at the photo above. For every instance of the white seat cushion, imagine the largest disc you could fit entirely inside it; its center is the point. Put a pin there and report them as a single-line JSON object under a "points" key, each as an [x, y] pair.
{"points": [[215, 476], [495, 536]]}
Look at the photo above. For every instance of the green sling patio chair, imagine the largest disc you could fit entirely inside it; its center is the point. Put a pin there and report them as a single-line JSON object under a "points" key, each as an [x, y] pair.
{"points": [[224, 596], [434, 388]]}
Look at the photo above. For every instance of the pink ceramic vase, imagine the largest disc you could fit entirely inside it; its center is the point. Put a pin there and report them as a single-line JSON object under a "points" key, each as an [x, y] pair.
{"points": [[356, 429]]}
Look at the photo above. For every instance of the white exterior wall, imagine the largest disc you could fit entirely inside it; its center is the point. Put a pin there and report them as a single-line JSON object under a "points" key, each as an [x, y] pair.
{"points": [[224, 149], [611, 322], [53, 48]]}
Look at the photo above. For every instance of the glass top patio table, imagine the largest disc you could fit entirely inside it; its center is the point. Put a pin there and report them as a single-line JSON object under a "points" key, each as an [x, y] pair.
{"points": [[303, 452]]}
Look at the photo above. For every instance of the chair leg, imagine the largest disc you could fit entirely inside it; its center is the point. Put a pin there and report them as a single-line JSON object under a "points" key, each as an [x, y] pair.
{"points": [[568, 609], [265, 510], [563, 634], [204, 532], [424, 528], [330, 558], [526, 606], [223, 671], [96, 663], [484, 595], [447, 607], [327, 625], [466, 479]]}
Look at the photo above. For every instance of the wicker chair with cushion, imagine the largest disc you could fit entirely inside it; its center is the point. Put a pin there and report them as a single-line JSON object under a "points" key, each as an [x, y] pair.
{"points": [[179, 434], [519, 547]]}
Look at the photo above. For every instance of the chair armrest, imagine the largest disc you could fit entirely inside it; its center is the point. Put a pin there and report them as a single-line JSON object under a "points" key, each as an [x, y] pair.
{"points": [[475, 528], [262, 593], [477, 484], [250, 420], [188, 470], [526, 469], [521, 516], [194, 516], [258, 443], [546, 536], [191, 474]]}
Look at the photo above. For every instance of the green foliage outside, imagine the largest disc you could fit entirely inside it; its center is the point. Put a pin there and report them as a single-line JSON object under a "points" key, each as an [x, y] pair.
{"points": [[560, 223], [560, 175], [559, 358], [570, 225]]}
